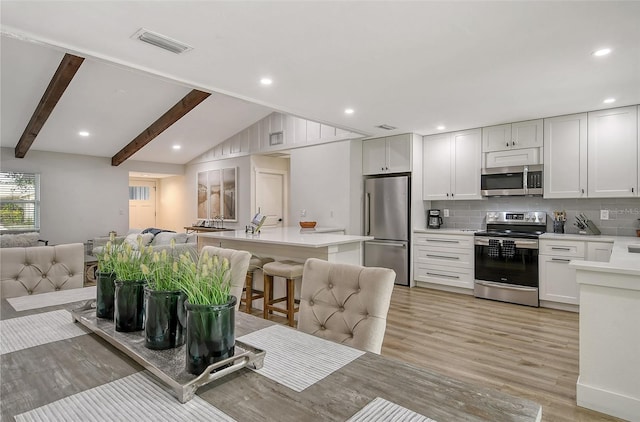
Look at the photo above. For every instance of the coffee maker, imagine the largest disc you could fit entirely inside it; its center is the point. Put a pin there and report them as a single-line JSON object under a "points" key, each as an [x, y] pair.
{"points": [[434, 221]]}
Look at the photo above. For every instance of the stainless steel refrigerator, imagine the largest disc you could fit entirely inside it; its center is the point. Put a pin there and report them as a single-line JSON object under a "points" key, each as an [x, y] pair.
{"points": [[387, 211]]}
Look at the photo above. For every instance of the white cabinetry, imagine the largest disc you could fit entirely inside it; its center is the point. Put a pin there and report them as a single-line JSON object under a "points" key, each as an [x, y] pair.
{"points": [[565, 156], [451, 165], [613, 153], [387, 155], [512, 136], [557, 278], [445, 259]]}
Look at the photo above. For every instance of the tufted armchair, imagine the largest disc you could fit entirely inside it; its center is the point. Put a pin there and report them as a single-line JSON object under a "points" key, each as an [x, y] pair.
{"points": [[238, 265], [345, 303], [41, 269]]}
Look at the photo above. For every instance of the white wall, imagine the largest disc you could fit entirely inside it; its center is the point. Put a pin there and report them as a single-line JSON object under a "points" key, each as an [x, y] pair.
{"points": [[322, 184], [81, 197]]}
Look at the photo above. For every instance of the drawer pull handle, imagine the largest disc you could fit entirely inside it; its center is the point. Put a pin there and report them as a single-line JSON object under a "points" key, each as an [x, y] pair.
{"points": [[443, 275], [442, 241], [560, 249], [560, 260], [442, 256]]}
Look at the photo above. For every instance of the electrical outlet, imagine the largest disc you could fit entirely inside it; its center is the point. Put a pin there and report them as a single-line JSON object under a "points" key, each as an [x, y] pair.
{"points": [[446, 212], [604, 214]]}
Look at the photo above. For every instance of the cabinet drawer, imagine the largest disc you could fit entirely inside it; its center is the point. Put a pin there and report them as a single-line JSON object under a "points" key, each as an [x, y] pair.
{"points": [[562, 248], [516, 157], [443, 256], [445, 275], [444, 241]]}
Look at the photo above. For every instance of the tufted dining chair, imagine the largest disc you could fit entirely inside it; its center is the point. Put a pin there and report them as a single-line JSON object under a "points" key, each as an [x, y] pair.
{"points": [[345, 303], [238, 265]]}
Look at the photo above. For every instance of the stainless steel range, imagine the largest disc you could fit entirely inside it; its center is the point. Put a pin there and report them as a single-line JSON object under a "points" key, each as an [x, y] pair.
{"points": [[506, 256]]}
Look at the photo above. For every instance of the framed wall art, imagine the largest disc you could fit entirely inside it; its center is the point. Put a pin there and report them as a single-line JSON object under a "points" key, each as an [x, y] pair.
{"points": [[217, 194]]}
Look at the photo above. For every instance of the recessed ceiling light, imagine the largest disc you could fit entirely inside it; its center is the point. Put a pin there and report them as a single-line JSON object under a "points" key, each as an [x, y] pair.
{"points": [[609, 100], [266, 81], [601, 52], [348, 111], [177, 147], [83, 133], [441, 127]]}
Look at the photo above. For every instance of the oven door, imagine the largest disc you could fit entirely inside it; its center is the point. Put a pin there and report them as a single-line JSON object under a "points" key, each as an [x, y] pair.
{"points": [[507, 260]]}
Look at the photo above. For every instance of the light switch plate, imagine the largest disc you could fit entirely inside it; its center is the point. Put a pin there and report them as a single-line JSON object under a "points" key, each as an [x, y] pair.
{"points": [[446, 212], [604, 214]]}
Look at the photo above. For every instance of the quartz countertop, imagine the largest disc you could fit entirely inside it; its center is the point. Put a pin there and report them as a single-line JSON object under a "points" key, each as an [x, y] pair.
{"points": [[290, 236], [466, 232], [622, 261], [581, 237]]}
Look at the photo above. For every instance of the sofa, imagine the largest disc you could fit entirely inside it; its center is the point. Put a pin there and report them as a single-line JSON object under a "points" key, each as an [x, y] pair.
{"points": [[41, 269], [184, 243], [21, 240]]}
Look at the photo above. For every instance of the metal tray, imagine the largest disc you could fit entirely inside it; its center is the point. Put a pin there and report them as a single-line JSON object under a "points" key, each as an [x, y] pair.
{"points": [[167, 365]]}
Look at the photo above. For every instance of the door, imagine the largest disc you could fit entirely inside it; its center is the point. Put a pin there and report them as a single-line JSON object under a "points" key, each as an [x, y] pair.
{"points": [[374, 156], [387, 207], [399, 153], [142, 203], [565, 156], [467, 157], [526, 134], [496, 138], [270, 196], [613, 153], [388, 254], [558, 280], [436, 183]]}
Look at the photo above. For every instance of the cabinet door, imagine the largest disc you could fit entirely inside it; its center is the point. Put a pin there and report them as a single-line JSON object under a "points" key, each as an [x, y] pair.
{"points": [[496, 138], [399, 153], [526, 134], [565, 156], [613, 153], [374, 156], [467, 158], [599, 251], [558, 280], [436, 161]]}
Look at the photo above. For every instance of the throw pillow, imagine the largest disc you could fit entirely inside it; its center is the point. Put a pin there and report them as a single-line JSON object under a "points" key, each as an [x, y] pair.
{"points": [[132, 239], [164, 238]]}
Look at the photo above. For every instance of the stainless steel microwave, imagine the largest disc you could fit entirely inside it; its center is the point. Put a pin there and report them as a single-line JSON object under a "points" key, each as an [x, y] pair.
{"points": [[512, 181]]}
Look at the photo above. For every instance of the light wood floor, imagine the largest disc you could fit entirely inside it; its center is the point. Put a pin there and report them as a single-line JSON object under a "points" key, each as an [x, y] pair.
{"points": [[523, 351]]}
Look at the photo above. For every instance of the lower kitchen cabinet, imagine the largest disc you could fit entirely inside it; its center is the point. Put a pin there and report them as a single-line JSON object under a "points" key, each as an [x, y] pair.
{"points": [[557, 279], [445, 259]]}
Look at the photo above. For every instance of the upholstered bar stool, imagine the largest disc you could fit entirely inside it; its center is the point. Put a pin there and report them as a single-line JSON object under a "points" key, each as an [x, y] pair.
{"points": [[290, 271], [251, 294]]}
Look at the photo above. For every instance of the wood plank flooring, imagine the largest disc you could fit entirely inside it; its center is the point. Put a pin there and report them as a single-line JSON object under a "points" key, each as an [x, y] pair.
{"points": [[523, 351]]}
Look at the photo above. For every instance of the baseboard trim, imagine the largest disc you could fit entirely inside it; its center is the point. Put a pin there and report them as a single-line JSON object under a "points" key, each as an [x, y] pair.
{"points": [[607, 402]]}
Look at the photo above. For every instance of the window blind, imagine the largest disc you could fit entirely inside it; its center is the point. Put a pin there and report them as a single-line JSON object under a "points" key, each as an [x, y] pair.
{"points": [[19, 201]]}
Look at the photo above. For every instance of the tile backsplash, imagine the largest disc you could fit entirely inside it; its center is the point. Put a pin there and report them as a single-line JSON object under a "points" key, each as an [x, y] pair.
{"points": [[623, 212]]}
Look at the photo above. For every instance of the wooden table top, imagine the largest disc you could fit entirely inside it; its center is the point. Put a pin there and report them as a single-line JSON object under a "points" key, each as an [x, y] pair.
{"points": [[43, 374]]}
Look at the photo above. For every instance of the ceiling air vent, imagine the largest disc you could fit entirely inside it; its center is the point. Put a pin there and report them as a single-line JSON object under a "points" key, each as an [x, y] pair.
{"points": [[161, 41], [387, 127]]}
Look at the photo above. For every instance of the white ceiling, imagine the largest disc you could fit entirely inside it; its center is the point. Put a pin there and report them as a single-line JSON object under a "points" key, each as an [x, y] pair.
{"points": [[414, 65]]}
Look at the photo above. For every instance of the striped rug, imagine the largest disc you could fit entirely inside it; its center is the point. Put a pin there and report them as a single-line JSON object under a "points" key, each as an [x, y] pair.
{"points": [[34, 330], [298, 360], [24, 303], [381, 410], [137, 397]]}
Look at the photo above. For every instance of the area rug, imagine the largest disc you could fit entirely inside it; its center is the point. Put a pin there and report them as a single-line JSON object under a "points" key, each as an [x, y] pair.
{"points": [[381, 410]]}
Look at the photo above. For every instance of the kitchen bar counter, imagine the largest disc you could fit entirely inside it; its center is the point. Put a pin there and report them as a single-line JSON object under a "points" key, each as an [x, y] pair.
{"points": [[290, 243], [609, 379]]}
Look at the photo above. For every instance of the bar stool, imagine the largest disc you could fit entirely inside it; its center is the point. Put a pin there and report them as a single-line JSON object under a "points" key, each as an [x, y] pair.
{"points": [[250, 294], [290, 271]]}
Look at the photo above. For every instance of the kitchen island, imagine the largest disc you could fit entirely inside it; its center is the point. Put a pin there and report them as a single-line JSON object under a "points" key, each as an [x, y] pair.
{"points": [[290, 243], [609, 379]]}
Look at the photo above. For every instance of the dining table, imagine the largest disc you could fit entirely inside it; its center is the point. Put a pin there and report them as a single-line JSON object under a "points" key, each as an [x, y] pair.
{"points": [[53, 368]]}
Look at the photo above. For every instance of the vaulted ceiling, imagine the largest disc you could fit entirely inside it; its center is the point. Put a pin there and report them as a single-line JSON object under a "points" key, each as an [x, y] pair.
{"points": [[412, 65]]}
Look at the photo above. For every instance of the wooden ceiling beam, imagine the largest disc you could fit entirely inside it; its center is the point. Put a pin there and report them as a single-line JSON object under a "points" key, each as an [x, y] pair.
{"points": [[175, 113], [58, 84]]}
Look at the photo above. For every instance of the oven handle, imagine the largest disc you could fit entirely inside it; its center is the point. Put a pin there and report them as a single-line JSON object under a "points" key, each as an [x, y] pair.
{"points": [[506, 286], [519, 243]]}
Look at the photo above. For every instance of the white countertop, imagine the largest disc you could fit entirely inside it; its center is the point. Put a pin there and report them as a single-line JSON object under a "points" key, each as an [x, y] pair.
{"points": [[581, 237], [621, 262], [289, 236], [465, 232]]}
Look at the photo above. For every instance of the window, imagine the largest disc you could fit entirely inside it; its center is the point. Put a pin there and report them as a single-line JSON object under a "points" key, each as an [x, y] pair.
{"points": [[19, 201], [139, 193]]}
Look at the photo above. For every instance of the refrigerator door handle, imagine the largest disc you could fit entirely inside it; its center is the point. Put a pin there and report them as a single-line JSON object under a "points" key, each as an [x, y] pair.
{"points": [[368, 213], [397, 245]]}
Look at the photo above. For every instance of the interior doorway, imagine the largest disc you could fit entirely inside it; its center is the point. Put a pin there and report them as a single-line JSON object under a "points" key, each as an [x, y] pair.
{"points": [[271, 196], [142, 203]]}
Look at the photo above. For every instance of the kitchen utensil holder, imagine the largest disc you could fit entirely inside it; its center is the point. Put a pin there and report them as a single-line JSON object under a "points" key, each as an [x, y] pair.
{"points": [[591, 228], [558, 226]]}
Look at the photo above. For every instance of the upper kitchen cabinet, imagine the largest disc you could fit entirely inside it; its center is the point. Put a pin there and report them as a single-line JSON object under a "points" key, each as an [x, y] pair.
{"points": [[387, 155], [613, 152], [512, 136], [451, 165], [565, 156]]}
